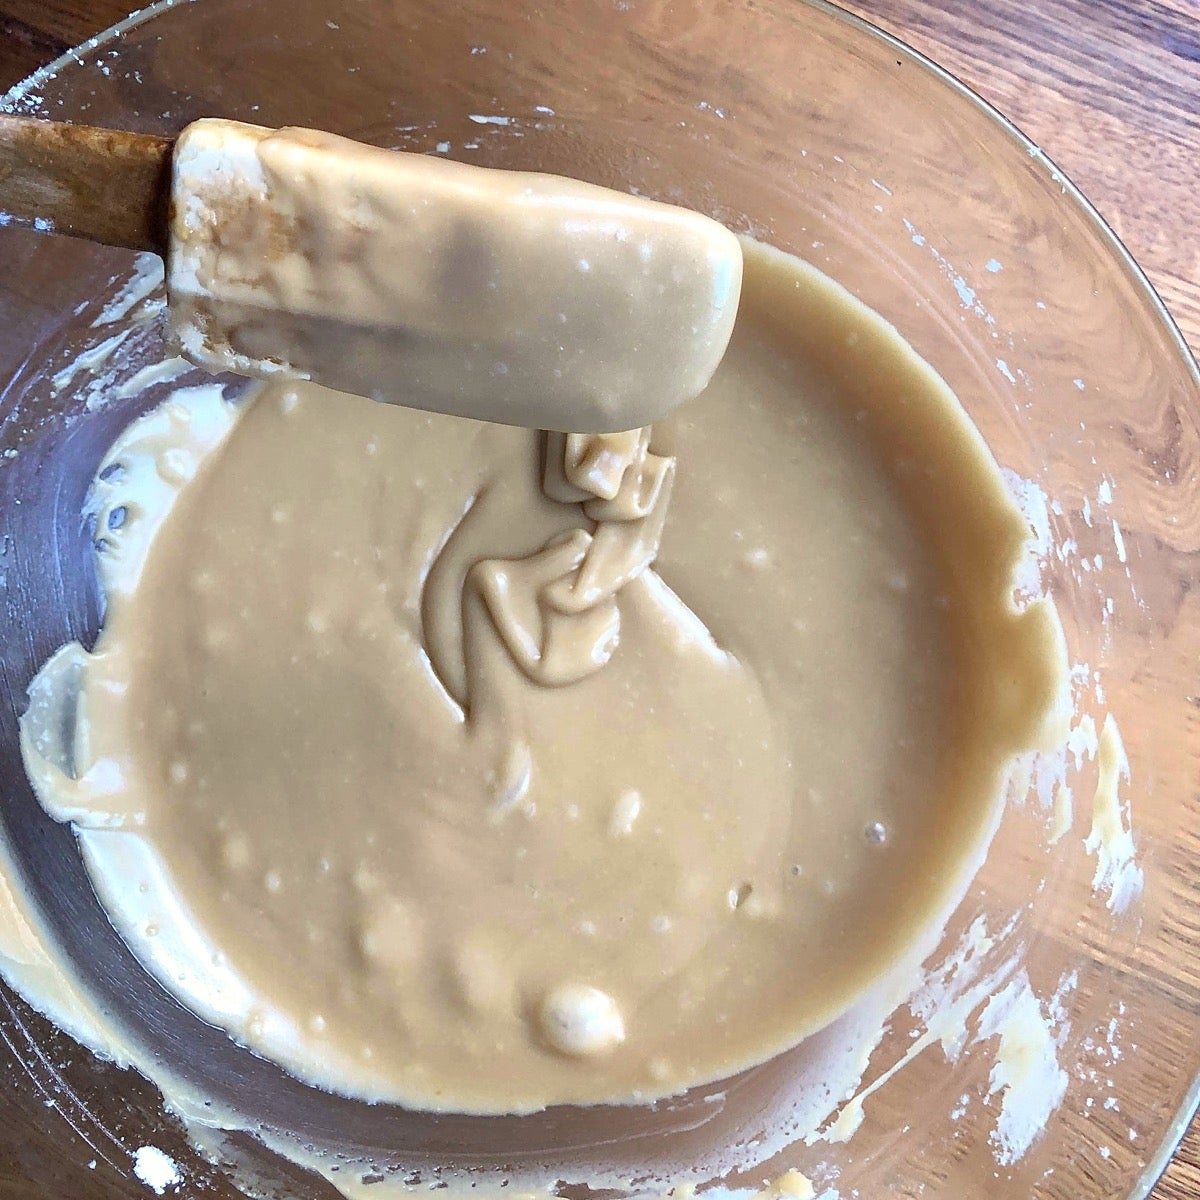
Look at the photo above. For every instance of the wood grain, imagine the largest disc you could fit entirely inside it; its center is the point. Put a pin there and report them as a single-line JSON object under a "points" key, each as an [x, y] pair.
{"points": [[105, 185], [1110, 89]]}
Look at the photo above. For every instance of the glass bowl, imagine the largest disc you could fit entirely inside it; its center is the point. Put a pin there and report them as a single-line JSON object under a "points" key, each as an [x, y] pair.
{"points": [[806, 128]]}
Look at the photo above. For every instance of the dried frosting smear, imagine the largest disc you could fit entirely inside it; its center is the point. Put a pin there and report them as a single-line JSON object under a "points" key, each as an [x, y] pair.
{"points": [[501, 295], [443, 763]]}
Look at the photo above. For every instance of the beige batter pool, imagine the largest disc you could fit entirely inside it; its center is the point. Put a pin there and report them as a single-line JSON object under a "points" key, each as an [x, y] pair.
{"points": [[473, 768]]}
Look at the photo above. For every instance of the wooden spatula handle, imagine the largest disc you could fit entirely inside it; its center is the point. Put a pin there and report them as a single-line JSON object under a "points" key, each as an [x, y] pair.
{"points": [[101, 184]]}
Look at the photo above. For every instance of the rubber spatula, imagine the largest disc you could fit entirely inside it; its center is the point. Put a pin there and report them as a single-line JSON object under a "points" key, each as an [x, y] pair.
{"points": [[522, 298]]}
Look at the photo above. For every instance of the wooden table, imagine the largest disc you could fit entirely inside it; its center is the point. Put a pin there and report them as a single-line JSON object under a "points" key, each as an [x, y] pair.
{"points": [[1110, 89]]}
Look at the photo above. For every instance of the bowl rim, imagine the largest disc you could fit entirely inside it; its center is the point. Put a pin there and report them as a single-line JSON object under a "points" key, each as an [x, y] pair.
{"points": [[1042, 164]]}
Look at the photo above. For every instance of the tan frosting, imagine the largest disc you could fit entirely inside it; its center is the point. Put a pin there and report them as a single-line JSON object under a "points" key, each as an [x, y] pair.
{"points": [[444, 763], [501, 295], [556, 611]]}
